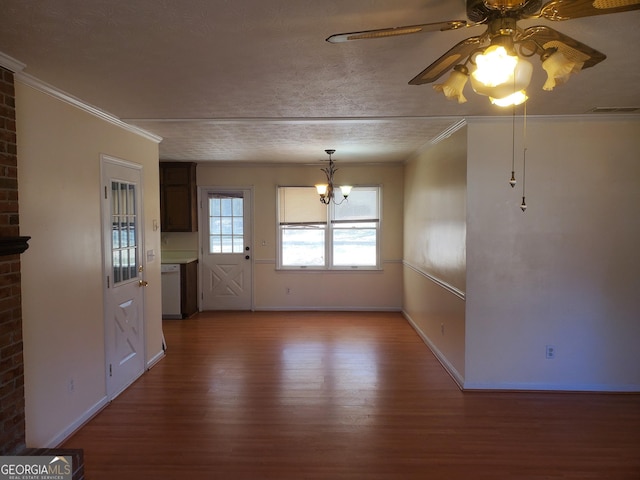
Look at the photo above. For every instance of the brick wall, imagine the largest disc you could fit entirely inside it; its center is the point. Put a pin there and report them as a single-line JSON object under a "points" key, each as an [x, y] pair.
{"points": [[12, 429]]}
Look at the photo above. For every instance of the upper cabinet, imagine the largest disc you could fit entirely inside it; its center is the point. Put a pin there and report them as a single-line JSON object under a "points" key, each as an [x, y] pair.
{"points": [[178, 197]]}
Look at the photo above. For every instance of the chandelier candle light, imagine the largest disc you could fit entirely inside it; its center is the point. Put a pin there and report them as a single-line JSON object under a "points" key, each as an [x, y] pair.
{"points": [[326, 190]]}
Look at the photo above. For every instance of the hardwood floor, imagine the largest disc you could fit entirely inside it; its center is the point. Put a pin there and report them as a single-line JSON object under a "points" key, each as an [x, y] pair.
{"points": [[342, 396]]}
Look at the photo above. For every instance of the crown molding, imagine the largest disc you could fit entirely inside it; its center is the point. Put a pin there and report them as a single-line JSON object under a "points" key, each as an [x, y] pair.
{"points": [[43, 87], [287, 120], [449, 131], [582, 117], [11, 63]]}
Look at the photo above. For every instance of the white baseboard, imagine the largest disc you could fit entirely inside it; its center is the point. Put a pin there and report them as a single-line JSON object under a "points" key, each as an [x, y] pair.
{"points": [[552, 387], [79, 422], [451, 370], [307, 308], [156, 358], [57, 440]]}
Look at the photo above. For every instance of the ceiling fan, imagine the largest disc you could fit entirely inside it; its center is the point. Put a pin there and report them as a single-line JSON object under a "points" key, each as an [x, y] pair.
{"points": [[561, 54]]}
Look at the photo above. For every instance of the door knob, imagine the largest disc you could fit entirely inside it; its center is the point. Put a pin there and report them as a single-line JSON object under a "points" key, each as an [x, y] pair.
{"points": [[247, 257], [142, 283]]}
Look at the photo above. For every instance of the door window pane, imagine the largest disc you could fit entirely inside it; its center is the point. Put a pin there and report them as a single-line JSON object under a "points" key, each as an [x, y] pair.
{"points": [[226, 223], [123, 224]]}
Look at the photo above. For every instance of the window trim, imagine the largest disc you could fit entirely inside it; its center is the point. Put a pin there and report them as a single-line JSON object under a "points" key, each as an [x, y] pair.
{"points": [[220, 195], [328, 241]]}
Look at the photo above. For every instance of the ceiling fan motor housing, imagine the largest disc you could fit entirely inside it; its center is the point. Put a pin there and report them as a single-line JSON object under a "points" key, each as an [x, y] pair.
{"points": [[481, 10]]}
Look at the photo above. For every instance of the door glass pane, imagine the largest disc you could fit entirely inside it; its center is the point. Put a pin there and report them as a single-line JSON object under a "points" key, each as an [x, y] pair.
{"points": [[214, 226], [237, 205], [226, 223], [123, 224], [225, 207]]}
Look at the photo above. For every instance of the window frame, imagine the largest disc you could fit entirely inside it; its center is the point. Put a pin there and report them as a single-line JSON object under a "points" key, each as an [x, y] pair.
{"points": [[236, 233], [329, 227], [125, 246]]}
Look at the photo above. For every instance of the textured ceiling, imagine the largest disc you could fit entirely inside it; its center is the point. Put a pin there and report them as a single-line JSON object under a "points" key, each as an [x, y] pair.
{"points": [[255, 81]]}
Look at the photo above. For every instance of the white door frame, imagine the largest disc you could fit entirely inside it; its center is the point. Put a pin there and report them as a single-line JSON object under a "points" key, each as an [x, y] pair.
{"points": [[202, 196], [105, 210]]}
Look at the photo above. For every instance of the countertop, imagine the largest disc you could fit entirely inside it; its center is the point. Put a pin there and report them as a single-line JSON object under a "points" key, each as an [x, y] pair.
{"points": [[179, 256]]}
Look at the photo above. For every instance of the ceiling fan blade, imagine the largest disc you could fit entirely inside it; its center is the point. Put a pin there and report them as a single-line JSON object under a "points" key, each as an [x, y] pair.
{"points": [[566, 9], [572, 49], [395, 31], [446, 62]]}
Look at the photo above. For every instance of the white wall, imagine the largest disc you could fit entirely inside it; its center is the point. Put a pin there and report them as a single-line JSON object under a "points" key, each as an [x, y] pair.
{"points": [[565, 273], [59, 147], [435, 248], [379, 290]]}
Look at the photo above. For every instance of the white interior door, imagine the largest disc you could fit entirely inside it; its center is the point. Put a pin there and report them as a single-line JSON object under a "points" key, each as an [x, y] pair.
{"points": [[124, 295], [226, 266]]}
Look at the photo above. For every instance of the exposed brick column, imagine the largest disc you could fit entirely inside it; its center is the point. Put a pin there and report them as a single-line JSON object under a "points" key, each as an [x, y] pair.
{"points": [[12, 423]]}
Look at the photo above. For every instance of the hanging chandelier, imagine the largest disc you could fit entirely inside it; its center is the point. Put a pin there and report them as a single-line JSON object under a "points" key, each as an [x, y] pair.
{"points": [[327, 190]]}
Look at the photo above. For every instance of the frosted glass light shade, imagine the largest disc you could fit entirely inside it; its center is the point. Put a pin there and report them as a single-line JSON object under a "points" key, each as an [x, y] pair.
{"points": [[494, 67], [516, 82], [346, 190], [559, 68], [515, 98], [453, 86], [321, 189]]}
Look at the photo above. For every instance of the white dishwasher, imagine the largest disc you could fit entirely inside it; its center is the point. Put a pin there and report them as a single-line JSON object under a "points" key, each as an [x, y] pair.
{"points": [[171, 290]]}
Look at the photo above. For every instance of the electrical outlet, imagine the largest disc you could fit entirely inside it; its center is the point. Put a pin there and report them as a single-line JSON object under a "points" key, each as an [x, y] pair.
{"points": [[550, 352], [71, 386], [442, 328], [288, 291]]}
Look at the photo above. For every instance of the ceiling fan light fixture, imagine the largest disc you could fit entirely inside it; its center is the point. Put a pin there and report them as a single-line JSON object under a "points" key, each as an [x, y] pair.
{"points": [[495, 67], [559, 68], [516, 84], [453, 86]]}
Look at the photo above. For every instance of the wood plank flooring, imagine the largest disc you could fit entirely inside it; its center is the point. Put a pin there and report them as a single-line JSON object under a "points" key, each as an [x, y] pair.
{"points": [[342, 396]]}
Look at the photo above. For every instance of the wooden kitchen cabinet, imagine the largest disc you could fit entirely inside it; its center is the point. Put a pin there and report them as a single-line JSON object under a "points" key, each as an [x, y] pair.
{"points": [[188, 288], [178, 197]]}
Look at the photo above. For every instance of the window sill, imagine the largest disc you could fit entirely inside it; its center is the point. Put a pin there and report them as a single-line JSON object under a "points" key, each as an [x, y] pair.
{"points": [[329, 270]]}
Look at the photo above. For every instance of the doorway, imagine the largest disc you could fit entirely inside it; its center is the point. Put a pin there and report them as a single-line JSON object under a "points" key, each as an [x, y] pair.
{"points": [[124, 273], [226, 266]]}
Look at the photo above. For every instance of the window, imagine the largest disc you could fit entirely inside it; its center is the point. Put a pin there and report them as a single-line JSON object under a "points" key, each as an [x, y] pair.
{"points": [[226, 223], [124, 248], [316, 236]]}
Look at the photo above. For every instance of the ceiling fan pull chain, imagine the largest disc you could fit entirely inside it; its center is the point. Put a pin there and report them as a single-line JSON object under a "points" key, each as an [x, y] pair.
{"points": [[512, 180], [523, 206]]}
